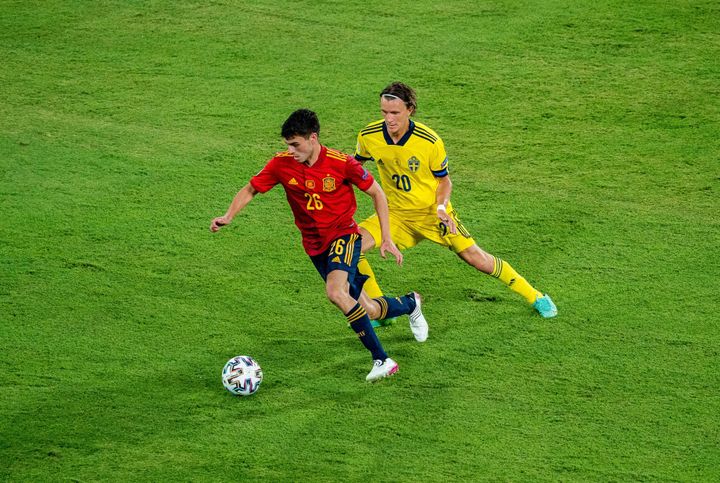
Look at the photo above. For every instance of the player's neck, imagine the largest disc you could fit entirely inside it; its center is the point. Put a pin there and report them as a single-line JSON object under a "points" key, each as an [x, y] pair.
{"points": [[398, 135], [314, 156]]}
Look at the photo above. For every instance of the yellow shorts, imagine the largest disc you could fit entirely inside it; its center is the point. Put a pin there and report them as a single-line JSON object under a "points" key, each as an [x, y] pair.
{"points": [[408, 228]]}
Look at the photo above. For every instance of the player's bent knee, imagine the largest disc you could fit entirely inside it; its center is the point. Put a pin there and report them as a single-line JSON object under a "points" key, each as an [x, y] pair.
{"points": [[336, 295], [478, 258]]}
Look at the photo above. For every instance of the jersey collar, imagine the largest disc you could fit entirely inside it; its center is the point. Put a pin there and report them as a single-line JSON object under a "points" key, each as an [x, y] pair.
{"points": [[403, 139]]}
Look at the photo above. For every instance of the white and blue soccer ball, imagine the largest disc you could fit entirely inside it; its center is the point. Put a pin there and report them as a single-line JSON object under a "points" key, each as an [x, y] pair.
{"points": [[242, 376]]}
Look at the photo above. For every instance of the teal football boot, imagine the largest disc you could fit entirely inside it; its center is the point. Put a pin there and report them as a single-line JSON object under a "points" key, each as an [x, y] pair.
{"points": [[545, 306], [383, 323]]}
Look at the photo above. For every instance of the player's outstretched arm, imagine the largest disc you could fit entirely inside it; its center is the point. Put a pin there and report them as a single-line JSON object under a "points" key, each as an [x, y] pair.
{"points": [[381, 208], [242, 198]]}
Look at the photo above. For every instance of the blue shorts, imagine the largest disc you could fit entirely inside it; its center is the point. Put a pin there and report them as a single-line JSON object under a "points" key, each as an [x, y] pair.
{"points": [[342, 254]]}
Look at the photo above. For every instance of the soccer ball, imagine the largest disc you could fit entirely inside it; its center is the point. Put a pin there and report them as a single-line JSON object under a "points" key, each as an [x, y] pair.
{"points": [[242, 376]]}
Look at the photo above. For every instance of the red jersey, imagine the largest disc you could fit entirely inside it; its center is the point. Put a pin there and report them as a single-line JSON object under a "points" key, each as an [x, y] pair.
{"points": [[321, 196]]}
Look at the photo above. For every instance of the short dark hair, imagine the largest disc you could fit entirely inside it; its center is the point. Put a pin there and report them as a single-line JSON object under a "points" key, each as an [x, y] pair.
{"points": [[402, 91], [302, 122]]}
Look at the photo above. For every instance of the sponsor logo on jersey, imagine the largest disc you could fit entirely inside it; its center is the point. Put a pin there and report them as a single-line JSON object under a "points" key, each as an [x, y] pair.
{"points": [[328, 183], [293, 181]]}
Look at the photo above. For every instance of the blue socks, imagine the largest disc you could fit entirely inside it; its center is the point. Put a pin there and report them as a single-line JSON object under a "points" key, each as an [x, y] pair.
{"points": [[360, 323], [393, 306]]}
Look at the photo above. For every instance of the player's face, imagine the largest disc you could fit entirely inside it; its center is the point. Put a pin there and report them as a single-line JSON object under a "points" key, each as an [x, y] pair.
{"points": [[302, 149], [396, 114]]}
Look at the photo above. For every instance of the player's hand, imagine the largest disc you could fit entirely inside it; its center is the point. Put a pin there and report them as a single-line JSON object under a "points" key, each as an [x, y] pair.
{"points": [[389, 246], [218, 223], [446, 219]]}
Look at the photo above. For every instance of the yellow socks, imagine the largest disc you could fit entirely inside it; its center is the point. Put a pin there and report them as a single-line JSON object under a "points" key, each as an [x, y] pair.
{"points": [[502, 270], [507, 275]]}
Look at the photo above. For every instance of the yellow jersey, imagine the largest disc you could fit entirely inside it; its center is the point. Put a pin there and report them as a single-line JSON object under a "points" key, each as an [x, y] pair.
{"points": [[409, 169]]}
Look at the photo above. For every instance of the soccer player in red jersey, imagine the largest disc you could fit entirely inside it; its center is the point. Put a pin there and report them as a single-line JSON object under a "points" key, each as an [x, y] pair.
{"points": [[318, 184]]}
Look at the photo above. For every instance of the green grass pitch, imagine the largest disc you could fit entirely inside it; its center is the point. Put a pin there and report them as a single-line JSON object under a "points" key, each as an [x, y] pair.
{"points": [[584, 147]]}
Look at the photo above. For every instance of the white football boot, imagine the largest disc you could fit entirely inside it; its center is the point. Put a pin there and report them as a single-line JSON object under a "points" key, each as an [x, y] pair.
{"points": [[418, 324], [381, 369]]}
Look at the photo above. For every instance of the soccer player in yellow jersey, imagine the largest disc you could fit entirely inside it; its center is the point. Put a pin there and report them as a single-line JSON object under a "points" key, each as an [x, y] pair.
{"points": [[413, 169]]}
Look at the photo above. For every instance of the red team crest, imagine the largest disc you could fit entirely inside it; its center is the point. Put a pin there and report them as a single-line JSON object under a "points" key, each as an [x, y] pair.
{"points": [[329, 184]]}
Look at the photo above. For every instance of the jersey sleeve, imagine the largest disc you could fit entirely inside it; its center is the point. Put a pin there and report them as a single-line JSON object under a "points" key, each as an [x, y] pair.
{"points": [[361, 152], [266, 178], [439, 161], [358, 175]]}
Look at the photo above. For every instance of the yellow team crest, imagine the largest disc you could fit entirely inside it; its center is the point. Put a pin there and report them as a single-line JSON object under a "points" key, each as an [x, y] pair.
{"points": [[328, 184], [413, 164]]}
